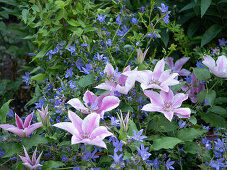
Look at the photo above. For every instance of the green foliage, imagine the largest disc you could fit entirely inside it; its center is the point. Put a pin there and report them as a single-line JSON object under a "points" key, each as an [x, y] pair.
{"points": [[86, 80], [201, 73], [188, 134], [51, 165], [4, 111], [35, 140], [165, 143]]}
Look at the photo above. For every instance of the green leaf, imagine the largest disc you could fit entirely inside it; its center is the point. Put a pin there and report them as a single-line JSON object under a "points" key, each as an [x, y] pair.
{"points": [[192, 147], [42, 52], [40, 76], [51, 165], [124, 107], [193, 120], [35, 140], [4, 111], [188, 134], [165, 143], [161, 124], [201, 96], [188, 6], [210, 96], [210, 34], [86, 80], [101, 92], [13, 149], [132, 126], [204, 6], [201, 73], [165, 37], [214, 120], [25, 13], [193, 27], [175, 88], [73, 23], [77, 31], [61, 4], [218, 109]]}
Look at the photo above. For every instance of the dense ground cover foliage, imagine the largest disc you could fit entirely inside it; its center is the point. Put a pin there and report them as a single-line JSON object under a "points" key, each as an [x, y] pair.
{"points": [[117, 85]]}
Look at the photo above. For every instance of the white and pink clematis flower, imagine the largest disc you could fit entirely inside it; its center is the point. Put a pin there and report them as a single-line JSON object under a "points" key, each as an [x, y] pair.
{"points": [[158, 79], [116, 81], [167, 103], [177, 67], [22, 129], [31, 164], [218, 68], [85, 131], [45, 116], [96, 104]]}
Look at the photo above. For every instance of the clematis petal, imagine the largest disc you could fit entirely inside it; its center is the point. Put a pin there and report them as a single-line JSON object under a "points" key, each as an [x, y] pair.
{"points": [[167, 96], [159, 68], [67, 126], [28, 120], [34, 156], [38, 159], [178, 99], [13, 129], [128, 68], [26, 155], [90, 122], [209, 61], [169, 62], [98, 142], [182, 112], [221, 63], [100, 132], [76, 103], [151, 108], [168, 114], [89, 97], [184, 72], [109, 70], [75, 140], [108, 103], [155, 97], [33, 127], [19, 122], [76, 121], [179, 63]]}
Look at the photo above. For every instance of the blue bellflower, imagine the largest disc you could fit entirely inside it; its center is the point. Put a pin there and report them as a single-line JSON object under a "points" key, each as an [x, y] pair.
{"points": [[134, 20], [101, 18], [143, 152], [138, 136], [69, 73], [26, 78], [163, 8], [169, 164]]}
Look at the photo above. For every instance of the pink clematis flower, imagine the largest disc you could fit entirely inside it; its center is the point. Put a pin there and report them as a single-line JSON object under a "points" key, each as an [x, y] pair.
{"points": [[158, 79], [22, 129], [116, 81], [45, 115], [177, 67], [219, 68], [141, 55], [85, 131], [167, 103], [99, 105], [31, 164], [195, 88]]}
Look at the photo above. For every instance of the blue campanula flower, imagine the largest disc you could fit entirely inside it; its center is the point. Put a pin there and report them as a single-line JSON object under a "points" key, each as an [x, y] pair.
{"points": [[101, 18], [182, 124], [166, 18], [71, 49], [123, 32], [87, 69], [118, 160], [79, 64], [11, 113], [118, 19], [69, 73], [218, 164], [117, 144], [143, 152], [84, 45], [26, 78], [109, 42], [40, 104], [222, 42], [199, 64], [138, 137], [134, 20], [163, 8], [64, 158], [169, 164], [115, 122]]}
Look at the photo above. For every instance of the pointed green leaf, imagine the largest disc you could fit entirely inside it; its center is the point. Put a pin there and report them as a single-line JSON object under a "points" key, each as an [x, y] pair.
{"points": [[165, 143], [204, 6]]}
